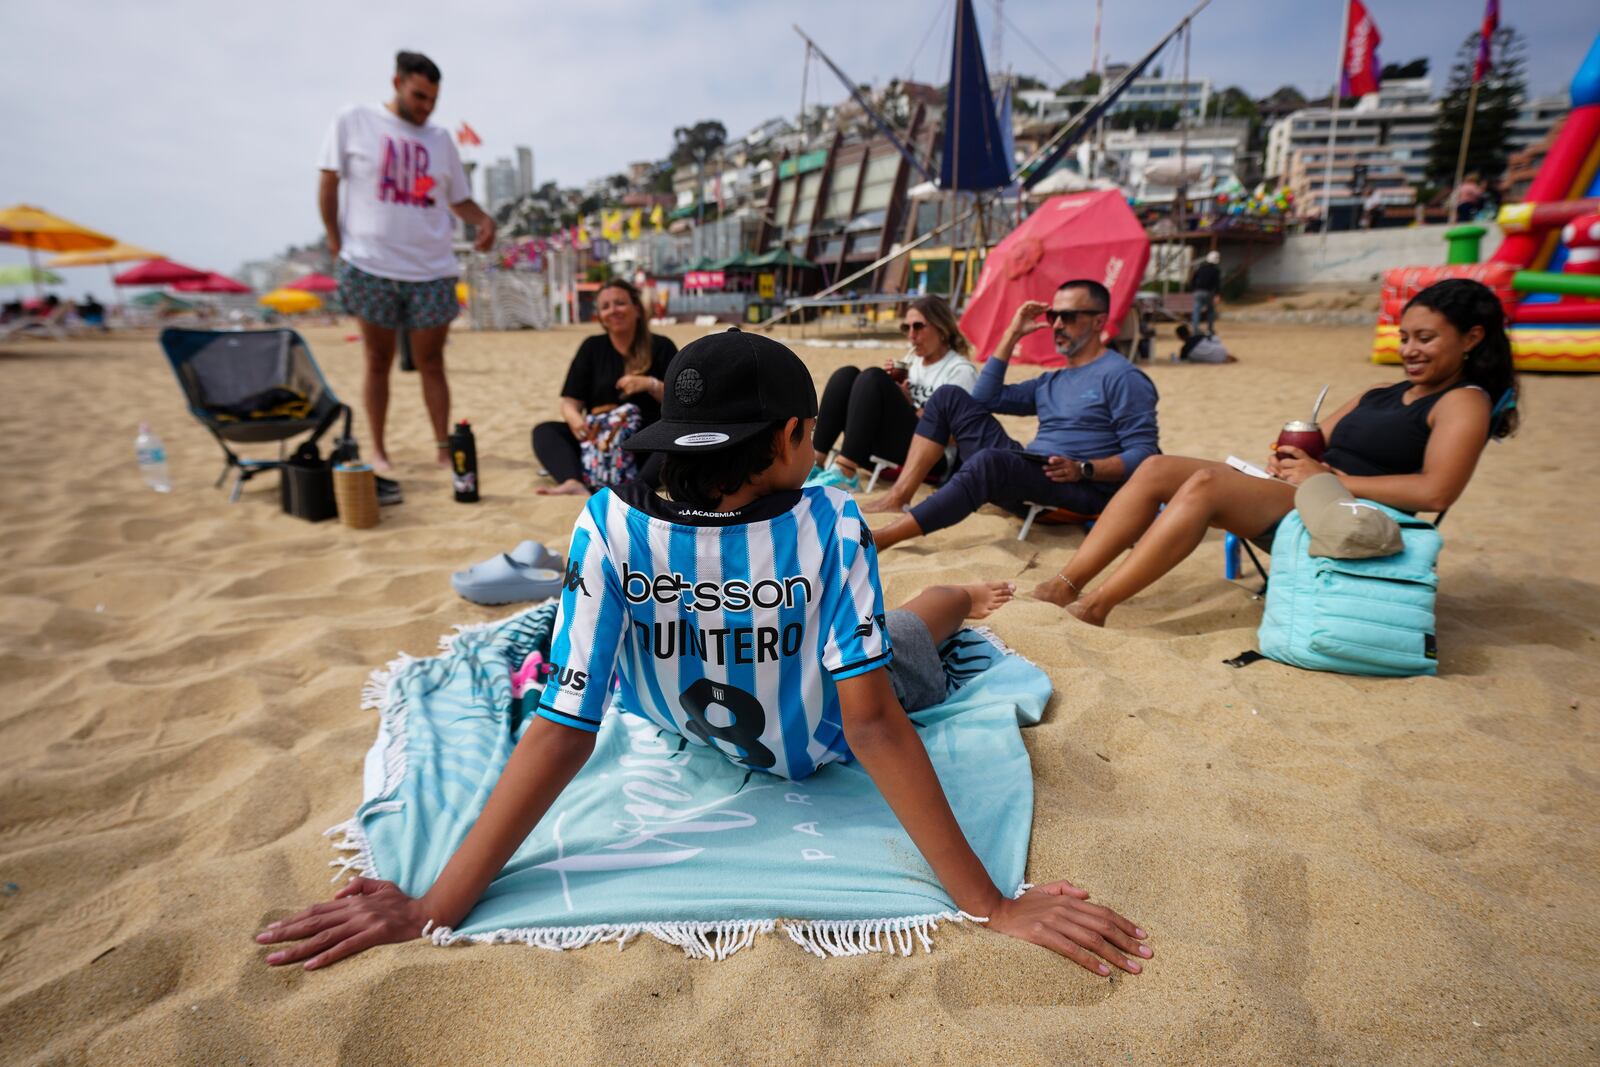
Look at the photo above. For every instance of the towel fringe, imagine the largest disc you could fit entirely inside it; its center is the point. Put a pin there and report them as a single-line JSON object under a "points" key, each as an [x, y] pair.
{"points": [[859, 937], [994, 638], [698, 940], [719, 940]]}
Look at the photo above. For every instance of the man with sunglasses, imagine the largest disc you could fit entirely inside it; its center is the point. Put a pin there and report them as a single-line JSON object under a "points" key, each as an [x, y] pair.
{"points": [[1097, 423]]}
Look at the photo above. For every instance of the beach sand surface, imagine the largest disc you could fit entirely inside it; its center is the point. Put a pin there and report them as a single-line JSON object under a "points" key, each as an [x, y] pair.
{"points": [[1332, 869]]}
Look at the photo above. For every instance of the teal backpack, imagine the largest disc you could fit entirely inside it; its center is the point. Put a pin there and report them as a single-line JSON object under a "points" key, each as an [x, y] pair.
{"points": [[1353, 616]]}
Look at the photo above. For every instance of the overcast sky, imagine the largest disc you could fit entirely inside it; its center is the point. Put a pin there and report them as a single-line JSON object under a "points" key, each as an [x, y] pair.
{"points": [[193, 127]]}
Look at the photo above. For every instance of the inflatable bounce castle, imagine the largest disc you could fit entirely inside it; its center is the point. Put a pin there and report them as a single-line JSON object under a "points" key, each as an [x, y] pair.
{"points": [[1547, 270]]}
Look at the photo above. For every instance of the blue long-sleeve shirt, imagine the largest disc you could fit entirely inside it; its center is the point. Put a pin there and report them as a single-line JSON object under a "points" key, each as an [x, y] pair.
{"points": [[1104, 408]]}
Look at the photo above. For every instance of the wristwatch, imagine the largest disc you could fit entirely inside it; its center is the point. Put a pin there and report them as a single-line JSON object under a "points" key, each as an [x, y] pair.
{"points": [[1086, 469]]}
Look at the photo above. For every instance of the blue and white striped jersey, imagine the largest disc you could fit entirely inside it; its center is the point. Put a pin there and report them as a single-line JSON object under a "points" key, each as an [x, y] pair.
{"points": [[729, 629]]}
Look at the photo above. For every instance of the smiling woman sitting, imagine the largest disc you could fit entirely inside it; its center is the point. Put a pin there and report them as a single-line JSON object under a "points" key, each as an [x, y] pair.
{"points": [[611, 371], [1411, 444]]}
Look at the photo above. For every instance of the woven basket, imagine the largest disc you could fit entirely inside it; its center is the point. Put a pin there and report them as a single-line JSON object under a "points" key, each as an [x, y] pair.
{"points": [[355, 488]]}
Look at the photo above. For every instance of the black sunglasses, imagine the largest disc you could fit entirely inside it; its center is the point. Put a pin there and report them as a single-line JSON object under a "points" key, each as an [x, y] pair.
{"points": [[911, 327], [1054, 316]]}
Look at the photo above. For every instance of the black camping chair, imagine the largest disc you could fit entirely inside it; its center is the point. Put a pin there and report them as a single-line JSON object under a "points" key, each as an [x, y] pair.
{"points": [[221, 372]]}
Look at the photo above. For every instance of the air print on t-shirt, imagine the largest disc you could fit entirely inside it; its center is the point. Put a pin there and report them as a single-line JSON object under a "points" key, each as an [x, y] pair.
{"points": [[731, 636], [403, 178]]}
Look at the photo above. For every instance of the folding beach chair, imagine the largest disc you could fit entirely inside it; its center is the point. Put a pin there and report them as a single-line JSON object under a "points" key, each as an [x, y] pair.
{"points": [[225, 373]]}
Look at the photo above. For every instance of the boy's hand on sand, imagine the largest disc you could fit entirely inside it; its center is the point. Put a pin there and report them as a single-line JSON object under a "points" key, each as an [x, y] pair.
{"points": [[1059, 917], [363, 913]]}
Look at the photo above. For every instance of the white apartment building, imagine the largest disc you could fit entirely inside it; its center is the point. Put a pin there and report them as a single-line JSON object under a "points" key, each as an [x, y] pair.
{"points": [[524, 170], [1147, 165], [499, 184], [1390, 131], [1534, 119], [1188, 98]]}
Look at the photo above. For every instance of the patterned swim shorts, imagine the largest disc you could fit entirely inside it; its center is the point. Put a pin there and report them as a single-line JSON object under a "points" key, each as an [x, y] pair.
{"points": [[394, 304]]}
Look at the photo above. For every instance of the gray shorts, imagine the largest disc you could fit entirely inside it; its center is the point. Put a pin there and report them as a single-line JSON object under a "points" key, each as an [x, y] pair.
{"points": [[916, 672]]}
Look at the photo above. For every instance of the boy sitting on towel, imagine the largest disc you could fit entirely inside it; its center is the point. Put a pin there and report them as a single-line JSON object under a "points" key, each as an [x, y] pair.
{"points": [[744, 614]]}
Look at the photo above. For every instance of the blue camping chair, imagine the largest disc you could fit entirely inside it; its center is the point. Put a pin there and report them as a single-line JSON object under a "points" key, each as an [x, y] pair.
{"points": [[250, 387]]}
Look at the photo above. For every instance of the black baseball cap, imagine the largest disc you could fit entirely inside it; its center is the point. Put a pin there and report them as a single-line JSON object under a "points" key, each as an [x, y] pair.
{"points": [[724, 388]]}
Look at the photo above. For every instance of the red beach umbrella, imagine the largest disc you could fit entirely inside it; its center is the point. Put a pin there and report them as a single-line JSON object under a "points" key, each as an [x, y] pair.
{"points": [[211, 283], [159, 272], [314, 283], [1080, 235]]}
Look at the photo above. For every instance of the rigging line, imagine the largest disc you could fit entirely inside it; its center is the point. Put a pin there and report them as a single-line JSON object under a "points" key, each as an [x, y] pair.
{"points": [[938, 20], [1036, 49]]}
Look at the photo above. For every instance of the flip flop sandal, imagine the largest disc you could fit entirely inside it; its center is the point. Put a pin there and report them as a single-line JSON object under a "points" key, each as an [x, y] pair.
{"points": [[528, 572]]}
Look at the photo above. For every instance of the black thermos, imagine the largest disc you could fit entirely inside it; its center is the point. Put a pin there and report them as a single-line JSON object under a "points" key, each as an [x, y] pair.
{"points": [[464, 463]]}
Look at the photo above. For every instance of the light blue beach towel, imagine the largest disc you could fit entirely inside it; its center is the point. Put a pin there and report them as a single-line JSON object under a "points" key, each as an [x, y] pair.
{"points": [[662, 837]]}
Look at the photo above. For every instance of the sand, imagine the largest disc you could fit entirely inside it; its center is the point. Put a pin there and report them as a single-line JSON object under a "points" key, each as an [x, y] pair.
{"points": [[1332, 869]]}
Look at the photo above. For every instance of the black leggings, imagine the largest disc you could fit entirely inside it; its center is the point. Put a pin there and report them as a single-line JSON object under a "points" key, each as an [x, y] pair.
{"points": [[557, 451], [874, 415]]}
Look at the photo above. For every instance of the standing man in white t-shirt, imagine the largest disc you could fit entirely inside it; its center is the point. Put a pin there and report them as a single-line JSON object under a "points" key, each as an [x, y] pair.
{"points": [[396, 268]]}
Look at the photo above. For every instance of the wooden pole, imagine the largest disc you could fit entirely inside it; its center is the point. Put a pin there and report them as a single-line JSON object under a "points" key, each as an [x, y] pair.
{"points": [[1333, 131], [1461, 156]]}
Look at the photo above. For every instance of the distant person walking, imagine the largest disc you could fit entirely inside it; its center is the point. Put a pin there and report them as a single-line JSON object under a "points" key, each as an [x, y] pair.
{"points": [[1205, 283], [392, 242]]}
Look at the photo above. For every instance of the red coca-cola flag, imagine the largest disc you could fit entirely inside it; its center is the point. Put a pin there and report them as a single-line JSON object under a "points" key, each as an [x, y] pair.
{"points": [[1361, 42], [466, 135]]}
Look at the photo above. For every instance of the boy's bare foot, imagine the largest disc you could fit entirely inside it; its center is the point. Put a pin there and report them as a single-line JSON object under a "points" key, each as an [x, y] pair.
{"points": [[988, 597], [1055, 590], [570, 487], [1084, 611], [889, 503], [443, 456]]}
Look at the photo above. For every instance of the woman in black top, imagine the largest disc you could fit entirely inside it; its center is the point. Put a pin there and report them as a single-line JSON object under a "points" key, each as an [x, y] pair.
{"points": [[1412, 445], [624, 365]]}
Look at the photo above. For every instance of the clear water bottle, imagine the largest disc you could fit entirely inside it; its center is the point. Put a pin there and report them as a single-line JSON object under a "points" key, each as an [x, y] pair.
{"points": [[152, 459]]}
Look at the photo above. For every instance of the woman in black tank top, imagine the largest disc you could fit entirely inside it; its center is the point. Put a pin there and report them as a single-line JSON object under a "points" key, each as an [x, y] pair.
{"points": [[1412, 445], [1385, 433]]}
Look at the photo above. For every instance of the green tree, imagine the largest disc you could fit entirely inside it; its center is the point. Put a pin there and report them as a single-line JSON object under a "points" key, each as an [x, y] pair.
{"points": [[697, 143], [1284, 98], [1232, 103], [1498, 97], [1088, 85], [1143, 117], [1417, 68]]}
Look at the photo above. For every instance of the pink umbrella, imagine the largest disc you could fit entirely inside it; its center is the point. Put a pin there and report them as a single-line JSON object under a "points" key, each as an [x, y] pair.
{"points": [[1081, 235], [314, 283], [211, 283], [159, 272]]}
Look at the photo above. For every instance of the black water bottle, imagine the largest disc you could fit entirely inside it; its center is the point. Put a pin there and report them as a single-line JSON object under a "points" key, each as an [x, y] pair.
{"points": [[464, 463]]}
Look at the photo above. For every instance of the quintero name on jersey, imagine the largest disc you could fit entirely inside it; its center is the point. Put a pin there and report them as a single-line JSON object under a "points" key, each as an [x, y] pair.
{"points": [[734, 594]]}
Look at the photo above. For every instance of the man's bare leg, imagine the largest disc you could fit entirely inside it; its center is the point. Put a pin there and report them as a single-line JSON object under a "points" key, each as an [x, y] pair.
{"points": [[427, 352], [1127, 516], [378, 347], [921, 458], [902, 529], [1209, 498]]}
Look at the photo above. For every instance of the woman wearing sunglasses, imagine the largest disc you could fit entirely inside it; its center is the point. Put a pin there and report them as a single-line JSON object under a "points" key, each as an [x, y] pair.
{"points": [[877, 410]]}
